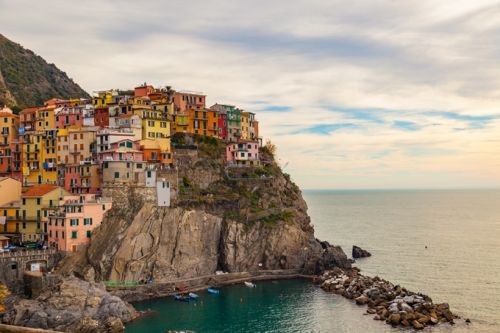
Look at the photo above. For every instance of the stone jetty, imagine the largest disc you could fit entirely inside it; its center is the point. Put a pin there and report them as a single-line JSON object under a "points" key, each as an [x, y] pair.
{"points": [[387, 302]]}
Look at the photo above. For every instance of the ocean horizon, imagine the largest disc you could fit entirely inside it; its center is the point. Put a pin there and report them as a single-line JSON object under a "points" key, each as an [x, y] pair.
{"points": [[442, 243]]}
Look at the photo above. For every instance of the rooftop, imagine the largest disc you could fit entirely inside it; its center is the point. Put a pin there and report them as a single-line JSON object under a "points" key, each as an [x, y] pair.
{"points": [[39, 190]]}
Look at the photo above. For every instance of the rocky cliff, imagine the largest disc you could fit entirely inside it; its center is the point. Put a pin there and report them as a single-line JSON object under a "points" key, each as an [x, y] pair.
{"points": [[72, 305], [221, 219]]}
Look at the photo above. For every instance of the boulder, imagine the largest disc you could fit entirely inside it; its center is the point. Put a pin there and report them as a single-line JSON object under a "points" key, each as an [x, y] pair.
{"points": [[416, 325], [73, 305], [358, 252], [361, 300], [394, 319]]}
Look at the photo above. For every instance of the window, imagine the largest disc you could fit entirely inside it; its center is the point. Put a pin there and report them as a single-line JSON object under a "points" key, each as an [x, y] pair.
{"points": [[117, 174], [103, 207], [38, 201], [74, 234], [139, 165], [24, 201], [88, 233]]}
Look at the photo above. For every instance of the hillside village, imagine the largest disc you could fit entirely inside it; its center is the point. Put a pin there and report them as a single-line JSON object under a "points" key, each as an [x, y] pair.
{"points": [[56, 159]]}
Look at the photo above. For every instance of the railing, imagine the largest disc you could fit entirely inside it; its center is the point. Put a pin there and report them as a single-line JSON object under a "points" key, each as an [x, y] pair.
{"points": [[23, 253]]}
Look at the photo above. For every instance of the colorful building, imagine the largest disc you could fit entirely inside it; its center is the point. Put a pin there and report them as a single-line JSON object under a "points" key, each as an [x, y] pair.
{"points": [[36, 203], [10, 222], [10, 146], [68, 116], [82, 178], [155, 126], [233, 120], [39, 156], [243, 153], [101, 116], [152, 153], [204, 122], [70, 226], [187, 100], [10, 202]]}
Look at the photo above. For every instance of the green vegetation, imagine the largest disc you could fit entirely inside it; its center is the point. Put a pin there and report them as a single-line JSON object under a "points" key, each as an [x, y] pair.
{"points": [[275, 218], [30, 79]]}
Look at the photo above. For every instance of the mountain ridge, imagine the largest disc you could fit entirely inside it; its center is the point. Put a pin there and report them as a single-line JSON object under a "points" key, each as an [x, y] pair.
{"points": [[26, 79]]}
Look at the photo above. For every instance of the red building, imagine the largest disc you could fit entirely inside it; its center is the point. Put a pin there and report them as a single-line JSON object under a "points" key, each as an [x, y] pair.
{"points": [[101, 117], [68, 117], [143, 90], [222, 126]]}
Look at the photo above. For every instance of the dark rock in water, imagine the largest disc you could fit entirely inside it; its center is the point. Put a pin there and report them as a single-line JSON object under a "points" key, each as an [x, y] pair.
{"points": [[358, 252]]}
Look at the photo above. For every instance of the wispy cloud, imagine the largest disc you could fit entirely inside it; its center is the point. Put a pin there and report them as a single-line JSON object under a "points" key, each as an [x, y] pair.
{"points": [[359, 94]]}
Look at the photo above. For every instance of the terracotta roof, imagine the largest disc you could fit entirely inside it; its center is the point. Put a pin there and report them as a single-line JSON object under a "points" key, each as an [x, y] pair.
{"points": [[39, 190], [30, 110]]}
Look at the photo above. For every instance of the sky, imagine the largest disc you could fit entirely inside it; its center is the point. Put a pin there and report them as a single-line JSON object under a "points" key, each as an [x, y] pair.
{"points": [[355, 94]]}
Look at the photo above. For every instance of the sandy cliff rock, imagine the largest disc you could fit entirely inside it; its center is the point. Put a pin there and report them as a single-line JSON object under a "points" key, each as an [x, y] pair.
{"points": [[221, 220]]}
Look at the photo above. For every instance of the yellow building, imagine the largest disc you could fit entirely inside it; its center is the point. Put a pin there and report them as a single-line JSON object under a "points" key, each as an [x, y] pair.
{"points": [[104, 98], [62, 146], [45, 118], [10, 197], [245, 125], [10, 190], [181, 122], [155, 126], [40, 157], [9, 219], [36, 203], [10, 151]]}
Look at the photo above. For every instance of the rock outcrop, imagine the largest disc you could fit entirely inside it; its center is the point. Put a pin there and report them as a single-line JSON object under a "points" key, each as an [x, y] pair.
{"points": [[391, 303], [358, 252], [73, 305], [234, 223]]}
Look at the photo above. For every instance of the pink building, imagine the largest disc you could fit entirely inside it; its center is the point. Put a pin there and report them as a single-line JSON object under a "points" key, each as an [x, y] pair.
{"points": [[243, 153], [124, 150], [82, 178], [72, 224], [69, 116]]}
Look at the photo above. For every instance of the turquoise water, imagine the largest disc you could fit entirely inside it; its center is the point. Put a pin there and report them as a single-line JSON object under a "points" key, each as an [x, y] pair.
{"points": [[461, 265]]}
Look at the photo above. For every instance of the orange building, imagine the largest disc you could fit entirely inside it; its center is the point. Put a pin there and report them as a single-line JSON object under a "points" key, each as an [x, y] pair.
{"points": [[204, 122], [185, 100], [152, 152]]}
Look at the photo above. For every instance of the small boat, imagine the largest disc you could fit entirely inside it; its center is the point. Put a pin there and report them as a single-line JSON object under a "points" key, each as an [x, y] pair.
{"points": [[213, 291], [181, 298], [249, 284], [193, 296]]}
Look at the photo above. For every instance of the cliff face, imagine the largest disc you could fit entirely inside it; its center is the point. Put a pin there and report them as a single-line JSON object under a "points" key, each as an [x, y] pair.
{"points": [[26, 79], [222, 219]]}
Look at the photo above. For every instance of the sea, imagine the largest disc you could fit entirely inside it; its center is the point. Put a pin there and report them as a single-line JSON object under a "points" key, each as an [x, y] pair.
{"points": [[444, 243]]}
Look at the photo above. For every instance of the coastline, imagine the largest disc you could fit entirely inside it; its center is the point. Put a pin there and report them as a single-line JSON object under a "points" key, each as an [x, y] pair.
{"points": [[165, 289]]}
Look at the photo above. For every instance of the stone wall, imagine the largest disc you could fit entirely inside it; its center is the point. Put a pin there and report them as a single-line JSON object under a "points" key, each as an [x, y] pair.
{"points": [[14, 264]]}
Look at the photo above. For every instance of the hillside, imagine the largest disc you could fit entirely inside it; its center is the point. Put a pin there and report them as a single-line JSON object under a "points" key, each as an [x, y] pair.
{"points": [[219, 221], [26, 79]]}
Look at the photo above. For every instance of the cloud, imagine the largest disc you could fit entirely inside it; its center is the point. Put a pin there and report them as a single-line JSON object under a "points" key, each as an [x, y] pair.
{"points": [[406, 125], [355, 94]]}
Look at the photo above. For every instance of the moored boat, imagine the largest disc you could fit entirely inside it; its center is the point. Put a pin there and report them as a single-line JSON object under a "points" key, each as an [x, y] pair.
{"points": [[213, 291], [249, 284], [193, 296], [181, 298]]}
